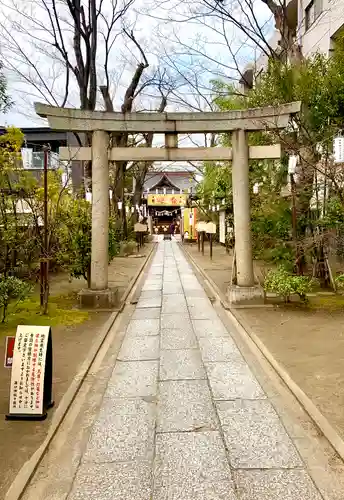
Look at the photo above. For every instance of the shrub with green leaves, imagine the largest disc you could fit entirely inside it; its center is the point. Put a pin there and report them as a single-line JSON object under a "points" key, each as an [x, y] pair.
{"points": [[11, 288], [285, 284], [339, 280], [74, 236]]}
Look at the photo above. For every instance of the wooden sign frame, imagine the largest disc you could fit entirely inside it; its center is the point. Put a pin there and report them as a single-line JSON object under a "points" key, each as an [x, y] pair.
{"points": [[10, 340], [140, 228], [201, 226], [211, 228], [32, 373]]}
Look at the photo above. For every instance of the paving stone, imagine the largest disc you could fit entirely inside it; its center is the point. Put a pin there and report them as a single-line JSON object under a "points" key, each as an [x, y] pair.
{"points": [[172, 288], [178, 339], [255, 436], [171, 278], [156, 271], [198, 301], [168, 308], [153, 280], [204, 491], [176, 321], [175, 300], [185, 406], [138, 327], [133, 379], [139, 348], [153, 302], [219, 349], [181, 364], [197, 293], [189, 279], [150, 294], [191, 466], [152, 286], [113, 481], [205, 311], [209, 328], [233, 380], [172, 304], [124, 431], [275, 485], [190, 286], [190, 283], [150, 313]]}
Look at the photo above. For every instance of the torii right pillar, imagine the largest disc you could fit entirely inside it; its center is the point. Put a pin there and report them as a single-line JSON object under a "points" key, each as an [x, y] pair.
{"points": [[244, 290]]}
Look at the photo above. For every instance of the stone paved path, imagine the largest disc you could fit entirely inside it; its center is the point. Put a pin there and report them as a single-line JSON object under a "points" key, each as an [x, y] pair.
{"points": [[183, 417]]}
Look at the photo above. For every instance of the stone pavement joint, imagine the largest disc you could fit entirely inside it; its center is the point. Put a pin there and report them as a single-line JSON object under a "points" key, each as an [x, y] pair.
{"points": [[183, 416]]}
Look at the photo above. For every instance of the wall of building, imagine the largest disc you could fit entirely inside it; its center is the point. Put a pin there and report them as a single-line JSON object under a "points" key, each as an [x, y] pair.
{"points": [[319, 34]]}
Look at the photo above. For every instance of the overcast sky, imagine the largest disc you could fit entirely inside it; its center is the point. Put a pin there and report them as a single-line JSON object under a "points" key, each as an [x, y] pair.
{"points": [[186, 49]]}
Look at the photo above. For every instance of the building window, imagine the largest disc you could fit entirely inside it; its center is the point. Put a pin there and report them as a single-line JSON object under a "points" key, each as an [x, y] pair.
{"points": [[312, 12]]}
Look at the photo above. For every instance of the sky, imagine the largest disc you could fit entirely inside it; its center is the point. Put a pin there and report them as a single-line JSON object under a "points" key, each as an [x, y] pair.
{"points": [[190, 51]]}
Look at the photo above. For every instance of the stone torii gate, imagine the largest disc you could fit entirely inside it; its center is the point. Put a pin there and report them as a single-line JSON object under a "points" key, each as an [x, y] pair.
{"points": [[237, 123]]}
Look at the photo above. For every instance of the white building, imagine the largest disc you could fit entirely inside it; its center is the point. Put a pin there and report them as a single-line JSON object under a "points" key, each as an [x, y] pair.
{"points": [[318, 23]]}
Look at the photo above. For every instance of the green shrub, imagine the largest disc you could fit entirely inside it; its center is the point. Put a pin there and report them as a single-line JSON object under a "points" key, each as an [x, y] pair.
{"points": [[131, 247], [127, 248], [11, 288], [285, 284], [74, 240], [339, 280]]}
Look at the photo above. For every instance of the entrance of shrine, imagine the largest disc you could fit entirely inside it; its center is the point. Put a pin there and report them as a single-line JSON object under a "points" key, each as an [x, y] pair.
{"points": [[237, 123]]}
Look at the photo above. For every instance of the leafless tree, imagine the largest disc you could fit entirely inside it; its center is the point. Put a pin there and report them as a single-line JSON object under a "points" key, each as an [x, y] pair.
{"points": [[61, 49]]}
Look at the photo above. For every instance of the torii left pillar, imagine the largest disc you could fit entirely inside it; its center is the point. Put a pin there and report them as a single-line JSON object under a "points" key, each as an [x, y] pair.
{"points": [[99, 295]]}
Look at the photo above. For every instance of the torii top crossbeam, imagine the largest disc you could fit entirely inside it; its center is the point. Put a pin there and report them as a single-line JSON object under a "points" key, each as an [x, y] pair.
{"points": [[270, 117]]}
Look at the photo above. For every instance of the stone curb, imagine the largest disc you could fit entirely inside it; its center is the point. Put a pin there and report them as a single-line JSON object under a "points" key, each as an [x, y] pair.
{"points": [[205, 277], [136, 293], [132, 284], [21, 481], [248, 335]]}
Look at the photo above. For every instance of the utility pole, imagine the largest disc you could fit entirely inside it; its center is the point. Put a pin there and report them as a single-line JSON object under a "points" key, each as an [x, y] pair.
{"points": [[44, 263]]}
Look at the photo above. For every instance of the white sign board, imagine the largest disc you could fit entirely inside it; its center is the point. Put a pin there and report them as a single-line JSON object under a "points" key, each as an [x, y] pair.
{"points": [[27, 157], [201, 226], [222, 227], [29, 369], [210, 228], [140, 228]]}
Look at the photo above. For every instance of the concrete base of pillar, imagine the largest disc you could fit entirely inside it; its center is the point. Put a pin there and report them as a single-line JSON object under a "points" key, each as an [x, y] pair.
{"points": [[98, 299], [241, 295]]}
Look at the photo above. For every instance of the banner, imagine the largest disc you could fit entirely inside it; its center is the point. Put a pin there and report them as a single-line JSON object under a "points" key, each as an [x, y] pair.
{"points": [[177, 200], [222, 226]]}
